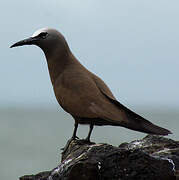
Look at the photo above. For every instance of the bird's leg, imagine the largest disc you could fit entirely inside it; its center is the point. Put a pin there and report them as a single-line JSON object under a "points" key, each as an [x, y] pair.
{"points": [[74, 131], [89, 134], [72, 138]]}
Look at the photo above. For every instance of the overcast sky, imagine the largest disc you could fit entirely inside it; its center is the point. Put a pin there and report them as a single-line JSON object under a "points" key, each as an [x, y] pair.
{"points": [[131, 44]]}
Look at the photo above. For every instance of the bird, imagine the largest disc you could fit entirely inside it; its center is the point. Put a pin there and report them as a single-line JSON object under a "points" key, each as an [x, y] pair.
{"points": [[80, 92]]}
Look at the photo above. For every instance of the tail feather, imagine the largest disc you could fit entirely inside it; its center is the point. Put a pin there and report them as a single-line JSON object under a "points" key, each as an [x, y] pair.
{"points": [[137, 122], [143, 125]]}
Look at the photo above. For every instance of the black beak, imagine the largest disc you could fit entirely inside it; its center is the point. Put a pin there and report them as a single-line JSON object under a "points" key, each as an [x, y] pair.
{"points": [[28, 41]]}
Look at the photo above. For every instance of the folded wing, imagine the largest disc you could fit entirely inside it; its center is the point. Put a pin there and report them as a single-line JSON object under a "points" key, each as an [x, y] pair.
{"points": [[114, 112]]}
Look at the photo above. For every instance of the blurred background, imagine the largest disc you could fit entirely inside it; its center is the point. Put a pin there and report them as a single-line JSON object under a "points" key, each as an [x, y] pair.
{"points": [[131, 45]]}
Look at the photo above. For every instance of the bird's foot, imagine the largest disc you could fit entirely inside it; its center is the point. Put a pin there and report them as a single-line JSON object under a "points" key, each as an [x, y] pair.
{"points": [[64, 149], [85, 141], [76, 137]]}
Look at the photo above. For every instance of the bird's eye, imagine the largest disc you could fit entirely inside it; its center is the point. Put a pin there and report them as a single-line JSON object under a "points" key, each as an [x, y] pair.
{"points": [[43, 35]]}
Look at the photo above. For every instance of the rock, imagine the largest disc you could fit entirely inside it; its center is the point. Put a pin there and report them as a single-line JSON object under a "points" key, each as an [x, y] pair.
{"points": [[151, 158]]}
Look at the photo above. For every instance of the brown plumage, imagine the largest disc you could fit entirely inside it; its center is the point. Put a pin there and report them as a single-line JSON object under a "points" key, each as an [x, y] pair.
{"points": [[81, 93]]}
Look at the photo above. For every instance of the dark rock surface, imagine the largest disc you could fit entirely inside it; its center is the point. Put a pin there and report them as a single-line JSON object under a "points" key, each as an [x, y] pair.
{"points": [[151, 158]]}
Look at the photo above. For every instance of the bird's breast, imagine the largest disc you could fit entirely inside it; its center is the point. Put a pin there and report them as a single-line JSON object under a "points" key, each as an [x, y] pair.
{"points": [[75, 93]]}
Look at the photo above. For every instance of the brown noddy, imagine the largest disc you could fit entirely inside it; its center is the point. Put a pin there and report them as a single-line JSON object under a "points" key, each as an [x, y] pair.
{"points": [[80, 92]]}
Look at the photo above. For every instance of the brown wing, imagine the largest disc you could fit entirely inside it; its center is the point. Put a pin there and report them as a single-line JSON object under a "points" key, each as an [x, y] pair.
{"points": [[84, 95], [78, 93], [131, 119]]}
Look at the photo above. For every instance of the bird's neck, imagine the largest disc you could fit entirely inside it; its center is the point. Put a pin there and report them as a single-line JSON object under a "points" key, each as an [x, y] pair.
{"points": [[57, 64]]}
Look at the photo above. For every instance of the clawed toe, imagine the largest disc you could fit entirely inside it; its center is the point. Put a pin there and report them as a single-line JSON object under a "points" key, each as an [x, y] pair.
{"points": [[87, 140], [76, 137], [68, 143]]}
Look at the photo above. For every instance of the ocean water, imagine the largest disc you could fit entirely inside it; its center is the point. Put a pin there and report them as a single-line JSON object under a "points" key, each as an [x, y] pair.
{"points": [[31, 138]]}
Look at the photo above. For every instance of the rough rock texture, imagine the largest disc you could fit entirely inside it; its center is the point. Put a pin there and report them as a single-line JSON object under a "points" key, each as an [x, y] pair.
{"points": [[151, 158]]}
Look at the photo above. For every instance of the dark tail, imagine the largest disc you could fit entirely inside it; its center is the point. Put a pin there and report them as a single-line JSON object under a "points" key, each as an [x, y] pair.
{"points": [[137, 122]]}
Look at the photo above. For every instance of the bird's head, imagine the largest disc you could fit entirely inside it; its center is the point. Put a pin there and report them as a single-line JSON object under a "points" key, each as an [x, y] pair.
{"points": [[47, 39]]}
